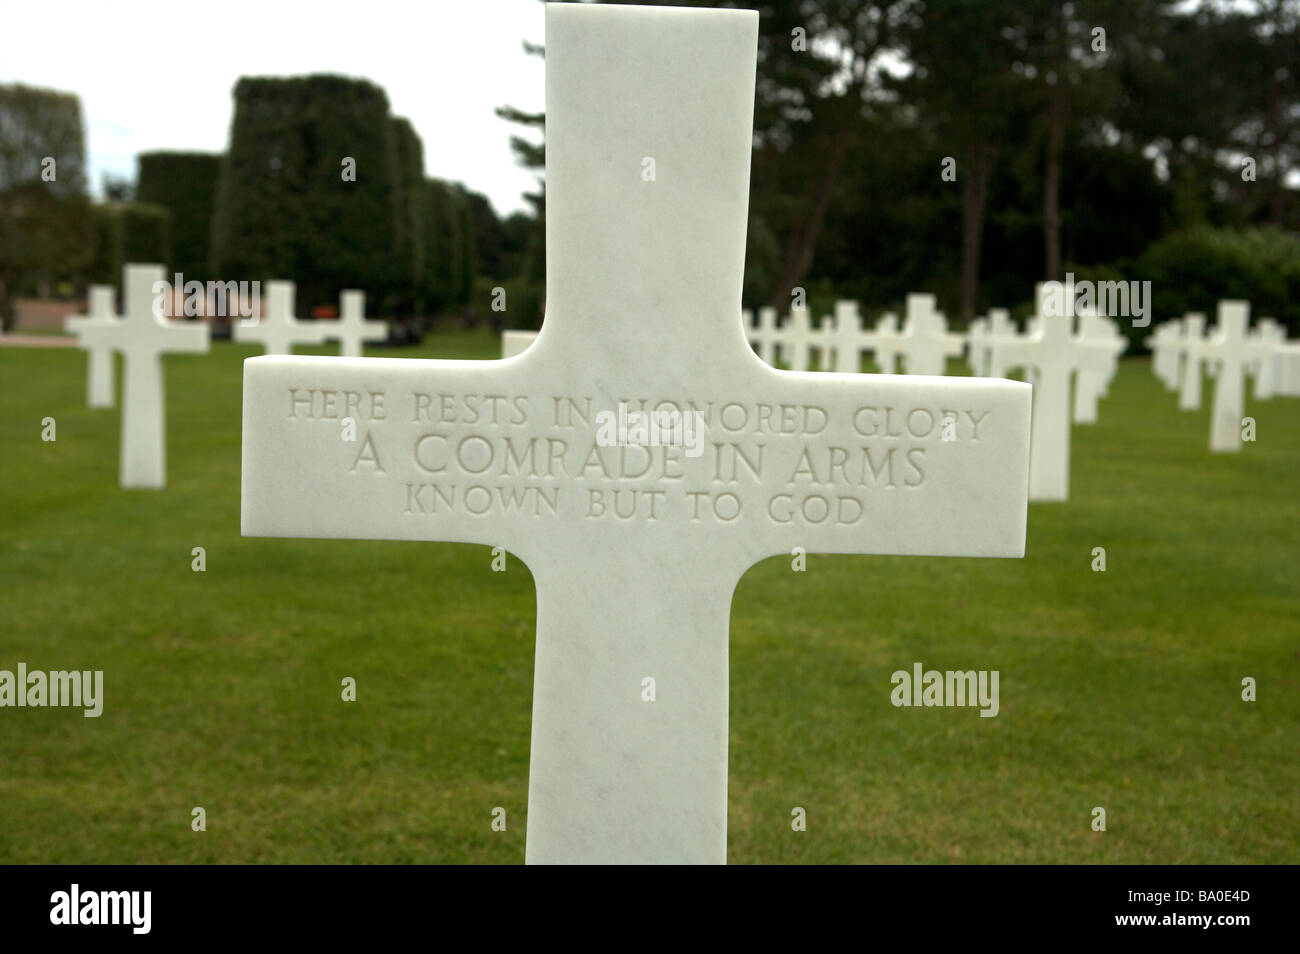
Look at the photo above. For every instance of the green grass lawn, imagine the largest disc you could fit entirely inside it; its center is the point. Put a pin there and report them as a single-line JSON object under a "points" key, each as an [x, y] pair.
{"points": [[1119, 689]]}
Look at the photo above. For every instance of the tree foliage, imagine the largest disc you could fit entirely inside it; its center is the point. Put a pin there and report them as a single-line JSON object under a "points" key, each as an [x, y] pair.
{"points": [[185, 184]]}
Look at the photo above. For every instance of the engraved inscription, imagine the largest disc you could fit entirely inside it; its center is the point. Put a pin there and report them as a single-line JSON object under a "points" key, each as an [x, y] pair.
{"points": [[478, 454]]}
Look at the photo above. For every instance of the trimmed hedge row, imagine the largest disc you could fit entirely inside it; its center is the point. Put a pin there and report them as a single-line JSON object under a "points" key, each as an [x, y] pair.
{"points": [[185, 184]]}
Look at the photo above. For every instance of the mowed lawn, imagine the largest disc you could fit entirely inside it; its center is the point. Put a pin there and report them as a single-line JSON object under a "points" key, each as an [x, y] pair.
{"points": [[1119, 689]]}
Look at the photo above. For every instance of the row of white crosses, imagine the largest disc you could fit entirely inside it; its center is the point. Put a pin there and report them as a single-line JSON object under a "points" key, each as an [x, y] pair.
{"points": [[922, 346], [143, 337], [1182, 352], [635, 568]]}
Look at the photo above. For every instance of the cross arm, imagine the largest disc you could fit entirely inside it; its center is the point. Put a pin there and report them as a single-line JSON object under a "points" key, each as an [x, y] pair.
{"points": [[496, 453], [888, 464]]}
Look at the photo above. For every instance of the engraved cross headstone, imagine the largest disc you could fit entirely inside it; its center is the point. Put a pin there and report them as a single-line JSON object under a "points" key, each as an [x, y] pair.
{"points": [[1165, 354], [1093, 382], [636, 549], [926, 343], [144, 337], [95, 334], [352, 328]]}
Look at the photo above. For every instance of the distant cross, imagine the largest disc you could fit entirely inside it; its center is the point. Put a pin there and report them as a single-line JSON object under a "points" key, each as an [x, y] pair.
{"points": [[1000, 329], [796, 338], [1092, 383], [636, 550], [1165, 353], [1051, 354], [926, 342], [1191, 354], [144, 337], [278, 330], [1266, 339], [1232, 355], [95, 334], [845, 339], [351, 328], [886, 343]]}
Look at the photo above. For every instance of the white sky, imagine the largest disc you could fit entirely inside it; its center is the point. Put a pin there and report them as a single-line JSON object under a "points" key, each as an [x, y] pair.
{"points": [[159, 75]]}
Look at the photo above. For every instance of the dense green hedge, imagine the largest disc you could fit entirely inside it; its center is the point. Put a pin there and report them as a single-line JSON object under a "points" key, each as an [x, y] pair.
{"points": [[284, 209], [185, 184], [1194, 269]]}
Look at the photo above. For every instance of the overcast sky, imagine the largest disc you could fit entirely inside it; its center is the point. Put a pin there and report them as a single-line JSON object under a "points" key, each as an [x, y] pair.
{"points": [[158, 74]]}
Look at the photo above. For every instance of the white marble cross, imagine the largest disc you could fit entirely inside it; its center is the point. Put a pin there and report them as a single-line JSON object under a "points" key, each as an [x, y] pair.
{"points": [[926, 343], [1093, 382], [796, 338], [351, 327], [515, 342], [1166, 354], [144, 337], [95, 334], [1267, 337], [278, 330], [635, 546], [1051, 354], [1233, 355], [1191, 355]]}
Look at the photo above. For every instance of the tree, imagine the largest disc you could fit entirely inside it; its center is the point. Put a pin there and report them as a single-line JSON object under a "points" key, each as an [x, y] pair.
{"points": [[410, 225], [962, 87], [185, 184], [445, 250], [307, 188], [45, 226], [818, 78]]}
